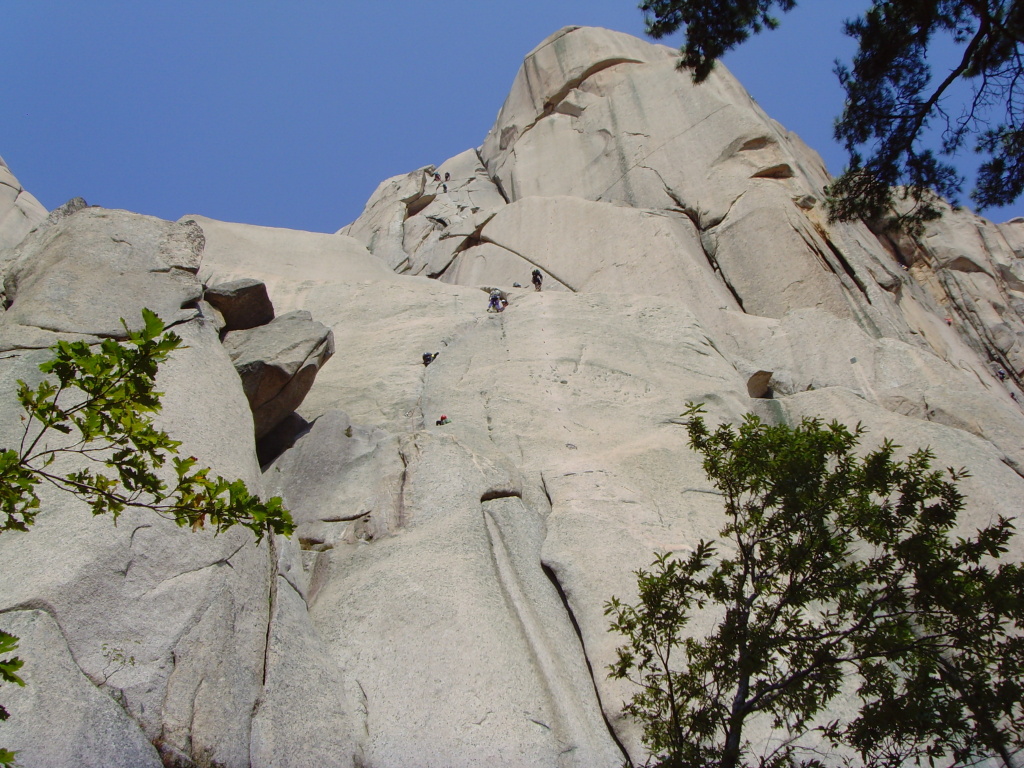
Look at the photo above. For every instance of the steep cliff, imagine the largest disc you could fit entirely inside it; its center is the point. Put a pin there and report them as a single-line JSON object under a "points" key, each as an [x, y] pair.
{"points": [[442, 601]]}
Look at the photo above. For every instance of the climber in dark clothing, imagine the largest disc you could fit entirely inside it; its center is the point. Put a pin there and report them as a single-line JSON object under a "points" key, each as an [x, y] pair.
{"points": [[447, 176], [495, 302], [538, 278], [429, 357]]}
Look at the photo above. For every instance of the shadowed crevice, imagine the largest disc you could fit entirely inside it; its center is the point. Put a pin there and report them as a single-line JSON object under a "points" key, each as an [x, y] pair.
{"points": [[553, 578]]}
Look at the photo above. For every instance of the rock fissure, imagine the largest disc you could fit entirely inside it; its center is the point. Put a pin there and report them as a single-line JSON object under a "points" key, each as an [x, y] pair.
{"points": [[552, 102], [529, 261], [643, 159], [717, 269], [491, 177], [570, 614]]}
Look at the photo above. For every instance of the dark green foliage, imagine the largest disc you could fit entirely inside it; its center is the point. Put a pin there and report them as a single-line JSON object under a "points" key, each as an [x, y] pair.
{"points": [[97, 405], [834, 575], [893, 103]]}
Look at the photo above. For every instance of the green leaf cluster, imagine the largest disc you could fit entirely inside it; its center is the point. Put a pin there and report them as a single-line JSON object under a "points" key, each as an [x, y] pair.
{"points": [[98, 405], [836, 574]]}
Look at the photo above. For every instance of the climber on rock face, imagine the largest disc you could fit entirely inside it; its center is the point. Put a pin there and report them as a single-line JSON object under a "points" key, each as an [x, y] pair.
{"points": [[447, 176], [495, 303], [429, 357], [538, 278]]}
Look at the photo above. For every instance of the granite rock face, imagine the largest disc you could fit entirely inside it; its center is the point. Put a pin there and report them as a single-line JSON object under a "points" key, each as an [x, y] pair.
{"points": [[441, 603], [20, 212]]}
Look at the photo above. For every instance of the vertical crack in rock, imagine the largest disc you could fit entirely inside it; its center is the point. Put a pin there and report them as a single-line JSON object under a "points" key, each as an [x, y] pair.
{"points": [[518, 605], [544, 487], [553, 578], [710, 256], [271, 605], [843, 262], [681, 206], [494, 179], [402, 480]]}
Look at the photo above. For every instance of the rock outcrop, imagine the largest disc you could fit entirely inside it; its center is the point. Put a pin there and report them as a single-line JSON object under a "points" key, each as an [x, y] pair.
{"points": [[19, 210], [278, 363], [442, 601], [243, 304]]}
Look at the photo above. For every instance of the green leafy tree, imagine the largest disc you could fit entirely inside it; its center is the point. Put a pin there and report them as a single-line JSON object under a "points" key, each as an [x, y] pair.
{"points": [[893, 105], [97, 405], [836, 575]]}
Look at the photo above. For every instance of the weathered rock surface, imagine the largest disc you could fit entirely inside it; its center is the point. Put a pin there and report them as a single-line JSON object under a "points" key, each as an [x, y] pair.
{"points": [[442, 601], [85, 272], [60, 717], [19, 210], [278, 362], [191, 609]]}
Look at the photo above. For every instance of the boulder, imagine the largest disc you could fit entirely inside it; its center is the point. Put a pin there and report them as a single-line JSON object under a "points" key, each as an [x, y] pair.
{"points": [[62, 275], [278, 362], [242, 303]]}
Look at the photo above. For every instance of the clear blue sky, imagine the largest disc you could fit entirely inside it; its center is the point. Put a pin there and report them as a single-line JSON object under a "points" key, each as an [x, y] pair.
{"points": [[290, 113]]}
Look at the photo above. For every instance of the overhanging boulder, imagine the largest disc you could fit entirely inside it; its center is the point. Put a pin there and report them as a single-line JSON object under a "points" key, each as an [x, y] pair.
{"points": [[278, 363]]}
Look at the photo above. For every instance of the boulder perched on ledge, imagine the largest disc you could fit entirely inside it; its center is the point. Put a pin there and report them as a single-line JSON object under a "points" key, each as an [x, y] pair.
{"points": [[278, 363], [243, 303]]}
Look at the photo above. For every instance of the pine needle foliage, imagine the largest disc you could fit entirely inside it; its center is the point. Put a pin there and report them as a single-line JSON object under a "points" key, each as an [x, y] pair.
{"points": [[900, 122]]}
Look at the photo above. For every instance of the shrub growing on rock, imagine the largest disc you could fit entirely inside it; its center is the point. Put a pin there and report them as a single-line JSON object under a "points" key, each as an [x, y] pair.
{"points": [[836, 575]]}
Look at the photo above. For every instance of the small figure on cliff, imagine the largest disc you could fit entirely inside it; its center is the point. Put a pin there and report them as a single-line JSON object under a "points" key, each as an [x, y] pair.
{"points": [[949, 321], [538, 279], [429, 357], [442, 421], [1001, 374], [437, 177], [447, 176], [495, 303], [516, 285], [444, 187]]}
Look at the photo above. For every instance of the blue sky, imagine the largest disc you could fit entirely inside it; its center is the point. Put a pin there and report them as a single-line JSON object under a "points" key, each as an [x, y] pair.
{"points": [[289, 114]]}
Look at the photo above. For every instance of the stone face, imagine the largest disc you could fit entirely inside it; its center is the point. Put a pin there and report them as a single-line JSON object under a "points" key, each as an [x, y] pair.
{"points": [[19, 211], [60, 278], [442, 601], [190, 607], [242, 303], [60, 717], [416, 224], [278, 362]]}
